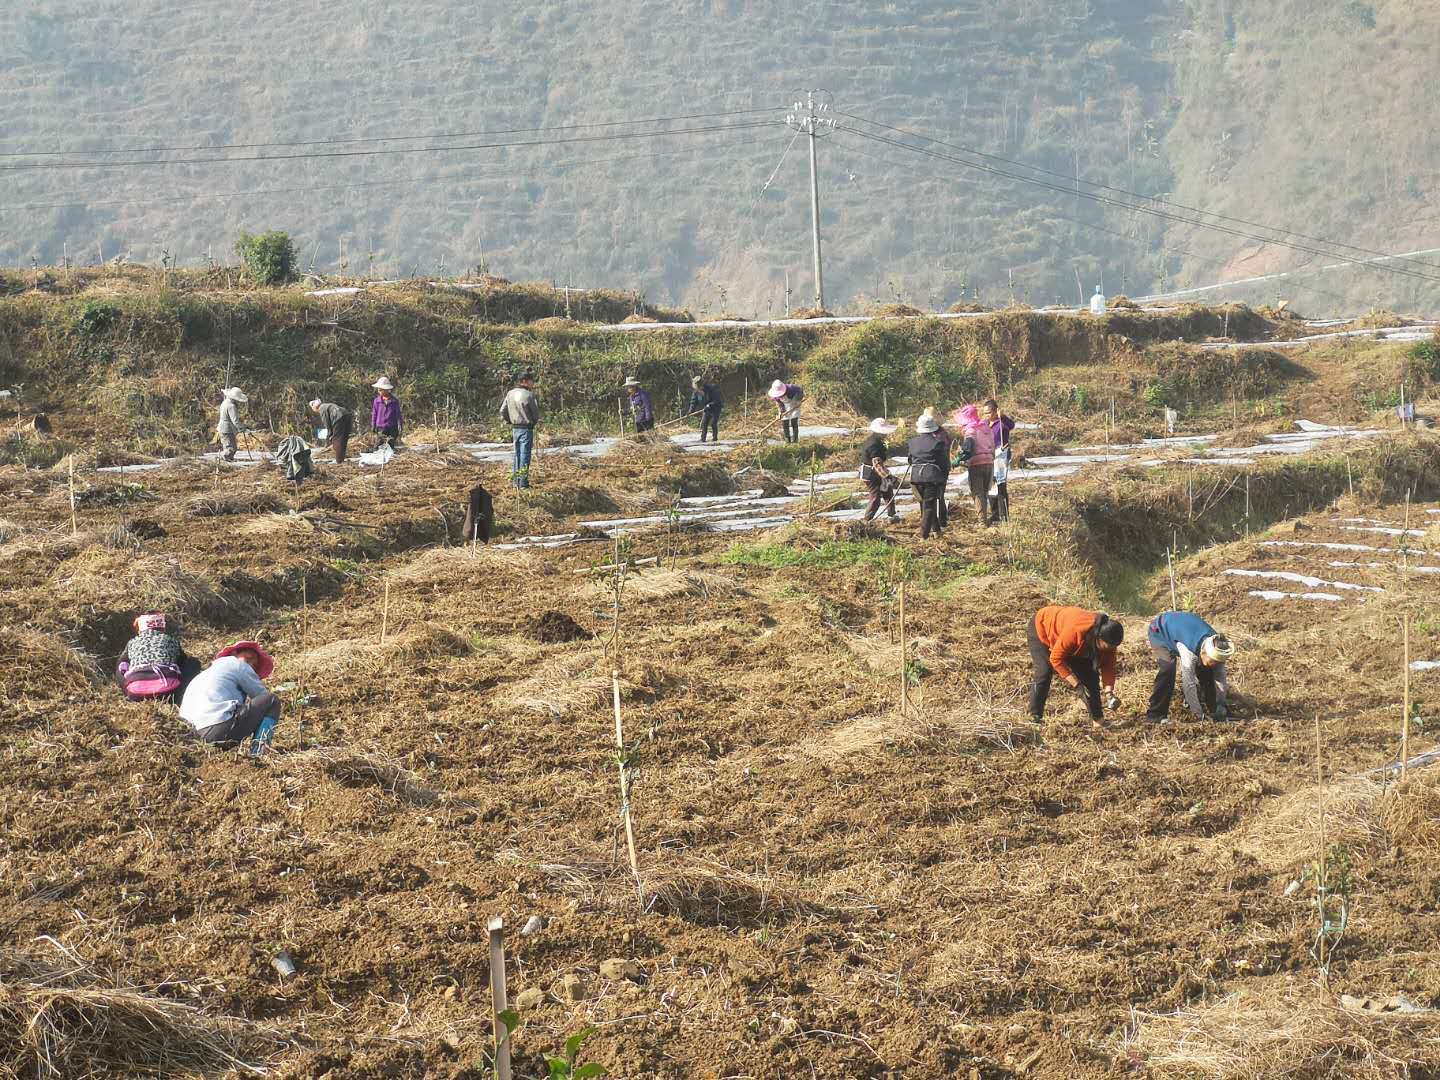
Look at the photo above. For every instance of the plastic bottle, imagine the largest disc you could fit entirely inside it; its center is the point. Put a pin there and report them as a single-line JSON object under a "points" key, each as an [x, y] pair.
{"points": [[261, 739]]}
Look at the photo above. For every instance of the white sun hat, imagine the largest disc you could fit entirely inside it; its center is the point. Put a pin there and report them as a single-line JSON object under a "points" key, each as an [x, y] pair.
{"points": [[777, 390], [234, 393], [881, 426], [1217, 648], [629, 382], [383, 383], [926, 424], [316, 403]]}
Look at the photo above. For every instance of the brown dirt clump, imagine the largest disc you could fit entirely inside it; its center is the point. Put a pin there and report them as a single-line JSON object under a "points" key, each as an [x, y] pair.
{"points": [[555, 628]]}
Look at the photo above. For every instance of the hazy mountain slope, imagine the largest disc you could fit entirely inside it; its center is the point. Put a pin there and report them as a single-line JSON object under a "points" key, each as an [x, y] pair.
{"points": [[1316, 115], [1062, 84]]}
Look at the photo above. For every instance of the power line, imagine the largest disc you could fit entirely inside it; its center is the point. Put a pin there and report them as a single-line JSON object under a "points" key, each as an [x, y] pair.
{"points": [[382, 138], [1136, 195], [452, 177], [1152, 211], [613, 137]]}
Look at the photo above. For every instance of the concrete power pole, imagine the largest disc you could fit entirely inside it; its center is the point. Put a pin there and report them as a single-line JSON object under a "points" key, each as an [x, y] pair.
{"points": [[805, 117]]}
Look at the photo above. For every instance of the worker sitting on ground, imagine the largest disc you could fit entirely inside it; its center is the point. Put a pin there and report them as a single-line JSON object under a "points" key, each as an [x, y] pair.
{"points": [[878, 480], [641, 409], [1079, 646], [227, 703], [385, 413], [1180, 638], [337, 424], [787, 398], [706, 400], [228, 425], [929, 453], [153, 666]]}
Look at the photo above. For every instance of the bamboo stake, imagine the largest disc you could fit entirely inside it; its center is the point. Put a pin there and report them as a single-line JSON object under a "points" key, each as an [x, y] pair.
{"points": [[385, 613], [904, 649], [74, 524], [1349, 476], [1170, 562], [625, 784], [304, 637], [1405, 717], [651, 561], [1247, 504], [813, 470], [499, 997], [1320, 885]]}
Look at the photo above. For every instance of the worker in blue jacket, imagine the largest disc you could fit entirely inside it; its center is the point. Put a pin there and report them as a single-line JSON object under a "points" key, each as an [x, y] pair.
{"points": [[1181, 640]]}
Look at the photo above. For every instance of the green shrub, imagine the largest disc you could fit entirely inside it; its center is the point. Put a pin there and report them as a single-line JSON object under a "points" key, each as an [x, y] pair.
{"points": [[269, 257], [1422, 365], [830, 555], [96, 318]]}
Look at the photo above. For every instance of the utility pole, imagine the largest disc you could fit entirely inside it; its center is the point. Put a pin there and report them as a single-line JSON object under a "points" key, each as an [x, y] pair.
{"points": [[804, 117]]}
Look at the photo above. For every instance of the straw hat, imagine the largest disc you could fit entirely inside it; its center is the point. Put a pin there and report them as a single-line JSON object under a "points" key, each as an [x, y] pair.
{"points": [[777, 390], [881, 426], [316, 403], [266, 664], [630, 382], [234, 393], [1217, 648], [383, 383], [926, 424]]}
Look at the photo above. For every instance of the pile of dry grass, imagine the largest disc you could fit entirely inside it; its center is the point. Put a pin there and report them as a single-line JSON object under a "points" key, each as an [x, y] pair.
{"points": [[216, 504], [37, 665], [279, 527], [58, 1022], [1410, 812], [451, 566], [666, 584], [894, 311], [416, 644], [704, 890], [566, 685], [354, 767], [1294, 1033], [1286, 833], [102, 579]]}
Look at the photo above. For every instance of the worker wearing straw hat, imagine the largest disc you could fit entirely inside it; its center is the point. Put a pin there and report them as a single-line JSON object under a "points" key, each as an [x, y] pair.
{"points": [[336, 426], [879, 481], [385, 412], [228, 703], [641, 407], [787, 398], [228, 425], [929, 453], [1180, 639]]}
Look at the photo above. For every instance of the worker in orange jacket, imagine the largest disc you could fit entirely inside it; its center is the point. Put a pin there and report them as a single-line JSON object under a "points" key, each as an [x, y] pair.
{"points": [[1079, 646]]}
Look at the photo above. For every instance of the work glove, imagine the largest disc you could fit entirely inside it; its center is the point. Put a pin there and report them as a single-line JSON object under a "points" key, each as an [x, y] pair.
{"points": [[1112, 702]]}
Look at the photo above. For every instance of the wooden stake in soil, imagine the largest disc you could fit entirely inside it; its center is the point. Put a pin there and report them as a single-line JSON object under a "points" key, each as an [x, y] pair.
{"points": [[813, 469], [1320, 885], [904, 660], [1349, 476], [385, 613], [1405, 716], [74, 524], [1170, 562], [625, 783], [499, 997], [304, 637], [1247, 504]]}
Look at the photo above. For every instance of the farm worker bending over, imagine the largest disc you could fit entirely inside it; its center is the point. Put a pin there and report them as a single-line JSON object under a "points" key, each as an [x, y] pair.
{"points": [[706, 400], [1000, 428], [1079, 646], [642, 409], [337, 424], [878, 481], [228, 425], [977, 454], [228, 703], [929, 453], [385, 412], [1178, 637], [153, 666], [787, 398], [521, 410]]}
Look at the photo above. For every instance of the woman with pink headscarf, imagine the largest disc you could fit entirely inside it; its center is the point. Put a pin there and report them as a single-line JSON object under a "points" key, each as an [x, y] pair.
{"points": [[977, 454]]}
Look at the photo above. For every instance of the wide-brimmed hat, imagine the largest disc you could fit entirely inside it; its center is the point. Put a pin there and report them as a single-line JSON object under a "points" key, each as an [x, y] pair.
{"points": [[926, 424], [777, 390], [267, 662], [383, 383], [234, 393], [151, 620], [631, 381], [881, 426], [316, 403], [1217, 648]]}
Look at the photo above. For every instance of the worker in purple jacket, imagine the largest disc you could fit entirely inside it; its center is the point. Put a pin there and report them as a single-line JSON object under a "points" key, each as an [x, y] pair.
{"points": [[1000, 428], [642, 409], [385, 413]]}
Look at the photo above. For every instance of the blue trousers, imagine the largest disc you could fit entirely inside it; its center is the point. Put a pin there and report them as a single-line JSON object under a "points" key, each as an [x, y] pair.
{"points": [[524, 443]]}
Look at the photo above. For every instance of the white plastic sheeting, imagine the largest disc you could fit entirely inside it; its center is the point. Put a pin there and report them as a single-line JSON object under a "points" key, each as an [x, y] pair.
{"points": [[1302, 579], [1271, 594]]}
